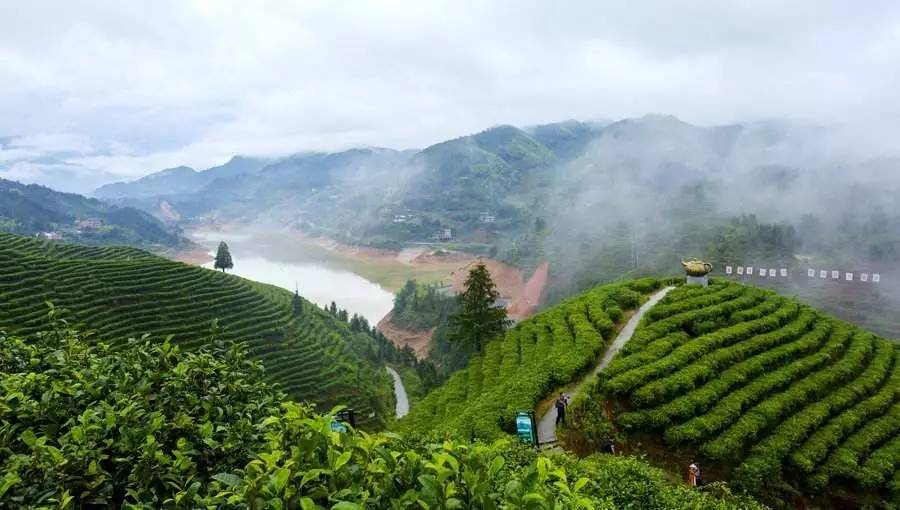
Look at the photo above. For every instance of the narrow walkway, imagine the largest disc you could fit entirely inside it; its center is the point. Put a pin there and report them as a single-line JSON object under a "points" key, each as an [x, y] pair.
{"points": [[399, 393], [547, 425]]}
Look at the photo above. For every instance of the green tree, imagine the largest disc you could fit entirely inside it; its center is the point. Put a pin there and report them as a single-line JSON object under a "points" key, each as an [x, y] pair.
{"points": [[297, 304], [479, 319], [223, 258]]}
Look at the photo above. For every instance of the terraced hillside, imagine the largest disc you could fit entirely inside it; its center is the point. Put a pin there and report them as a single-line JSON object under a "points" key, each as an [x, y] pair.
{"points": [[122, 293], [764, 389], [534, 358]]}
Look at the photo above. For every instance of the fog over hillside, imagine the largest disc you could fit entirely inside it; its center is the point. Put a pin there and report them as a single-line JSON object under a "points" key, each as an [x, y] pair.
{"points": [[598, 200]]}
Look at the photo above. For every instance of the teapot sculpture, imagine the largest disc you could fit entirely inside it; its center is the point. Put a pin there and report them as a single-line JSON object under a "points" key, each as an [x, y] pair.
{"points": [[696, 267]]}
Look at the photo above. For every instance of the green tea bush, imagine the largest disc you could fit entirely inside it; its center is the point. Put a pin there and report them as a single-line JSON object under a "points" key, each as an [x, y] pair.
{"points": [[151, 426], [774, 396], [533, 359], [125, 292]]}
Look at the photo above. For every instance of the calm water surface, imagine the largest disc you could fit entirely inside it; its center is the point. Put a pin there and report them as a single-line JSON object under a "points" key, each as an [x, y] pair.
{"points": [[268, 263]]}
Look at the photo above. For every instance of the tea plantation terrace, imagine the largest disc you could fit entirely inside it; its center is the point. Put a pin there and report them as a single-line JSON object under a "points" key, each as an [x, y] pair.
{"points": [[122, 292], [761, 387]]}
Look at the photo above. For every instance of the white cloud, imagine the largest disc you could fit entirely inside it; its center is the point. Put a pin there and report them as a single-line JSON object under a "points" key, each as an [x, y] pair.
{"points": [[135, 87]]}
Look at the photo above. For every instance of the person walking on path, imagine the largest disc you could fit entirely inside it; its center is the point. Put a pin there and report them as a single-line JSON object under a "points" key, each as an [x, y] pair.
{"points": [[693, 474], [561, 404]]}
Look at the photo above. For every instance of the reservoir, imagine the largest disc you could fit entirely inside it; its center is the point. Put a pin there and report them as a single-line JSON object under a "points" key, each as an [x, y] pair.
{"points": [[289, 266]]}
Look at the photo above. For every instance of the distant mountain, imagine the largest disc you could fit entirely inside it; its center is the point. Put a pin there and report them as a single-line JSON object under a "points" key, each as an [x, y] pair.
{"points": [[33, 209], [512, 175], [179, 180], [165, 182], [566, 139], [517, 191]]}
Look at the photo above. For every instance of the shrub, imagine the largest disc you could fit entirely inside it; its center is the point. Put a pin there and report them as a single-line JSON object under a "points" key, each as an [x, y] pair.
{"points": [[155, 427]]}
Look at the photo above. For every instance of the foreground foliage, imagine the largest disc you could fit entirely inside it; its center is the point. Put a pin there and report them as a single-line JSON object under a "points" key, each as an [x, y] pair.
{"points": [[152, 426]]}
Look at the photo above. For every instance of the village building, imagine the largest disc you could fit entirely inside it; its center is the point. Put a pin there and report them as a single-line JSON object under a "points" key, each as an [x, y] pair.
{"points": [[444, 234], [88, 224]]}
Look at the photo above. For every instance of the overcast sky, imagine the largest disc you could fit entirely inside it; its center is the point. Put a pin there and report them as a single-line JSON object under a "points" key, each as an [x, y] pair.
{"points": [[103, 90]]}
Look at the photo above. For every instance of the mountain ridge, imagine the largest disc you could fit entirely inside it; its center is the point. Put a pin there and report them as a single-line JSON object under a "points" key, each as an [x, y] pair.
{"points": [[35, 210]]}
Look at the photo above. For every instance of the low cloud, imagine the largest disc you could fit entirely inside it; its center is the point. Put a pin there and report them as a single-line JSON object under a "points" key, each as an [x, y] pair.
{"points": [[127, 89]]}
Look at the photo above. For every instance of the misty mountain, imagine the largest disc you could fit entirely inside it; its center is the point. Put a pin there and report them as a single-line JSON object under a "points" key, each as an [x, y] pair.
{"points": [[597, 200], [580, 180], [179, 180], [31, 209]]}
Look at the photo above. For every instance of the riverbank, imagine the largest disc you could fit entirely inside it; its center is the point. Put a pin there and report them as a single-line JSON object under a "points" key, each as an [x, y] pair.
{"points": [[291, 256], [388, 268]]}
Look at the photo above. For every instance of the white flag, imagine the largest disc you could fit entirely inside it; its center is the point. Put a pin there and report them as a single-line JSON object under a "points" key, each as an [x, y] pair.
{"points": [[876, 277], [848, 277], [750, 270], [740, 269], [811, 273], [864, 277], [823, 274], [835, 275], [771, 272], [783, 272], [727, 269]]}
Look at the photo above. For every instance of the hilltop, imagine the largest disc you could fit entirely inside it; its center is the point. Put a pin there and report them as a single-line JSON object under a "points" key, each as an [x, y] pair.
{"points": [[121, 293], [784, 401]]}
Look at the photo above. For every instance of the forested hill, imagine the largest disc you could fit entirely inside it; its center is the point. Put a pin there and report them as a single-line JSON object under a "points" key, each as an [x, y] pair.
{"points": [[121, 293], [32, 209]]}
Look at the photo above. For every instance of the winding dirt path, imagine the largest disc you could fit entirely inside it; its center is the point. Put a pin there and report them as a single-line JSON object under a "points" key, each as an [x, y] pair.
{"points": [[547, 423], [400, 393]]}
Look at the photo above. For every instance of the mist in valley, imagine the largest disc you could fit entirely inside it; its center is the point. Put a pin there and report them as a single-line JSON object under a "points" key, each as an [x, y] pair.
{"points": [[653, 191]]}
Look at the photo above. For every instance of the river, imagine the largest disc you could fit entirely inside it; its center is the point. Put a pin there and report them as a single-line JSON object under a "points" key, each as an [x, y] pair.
{"points": [[260, 259]]}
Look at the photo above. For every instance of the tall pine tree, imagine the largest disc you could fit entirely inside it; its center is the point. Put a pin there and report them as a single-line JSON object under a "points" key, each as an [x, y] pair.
{"points": [[223, 257], [479, 319]]}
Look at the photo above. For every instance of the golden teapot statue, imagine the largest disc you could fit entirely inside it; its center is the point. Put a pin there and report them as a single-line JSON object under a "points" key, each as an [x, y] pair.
{"points": [[696, 267]]}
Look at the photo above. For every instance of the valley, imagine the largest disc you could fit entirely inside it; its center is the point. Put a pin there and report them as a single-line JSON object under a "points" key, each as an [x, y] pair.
{"points": [[449, 255], [362, 279], [745, 380]]}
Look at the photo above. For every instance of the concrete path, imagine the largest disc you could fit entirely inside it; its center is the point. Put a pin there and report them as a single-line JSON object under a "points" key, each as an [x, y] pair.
{"points": [[547, 425], [399, 393]]}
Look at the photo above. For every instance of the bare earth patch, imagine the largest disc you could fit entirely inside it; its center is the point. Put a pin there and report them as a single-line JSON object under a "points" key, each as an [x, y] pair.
{"points": [[418, 340]]}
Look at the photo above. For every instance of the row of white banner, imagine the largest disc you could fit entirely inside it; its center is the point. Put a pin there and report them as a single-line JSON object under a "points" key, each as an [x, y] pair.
{"points": [[812, 273]]}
